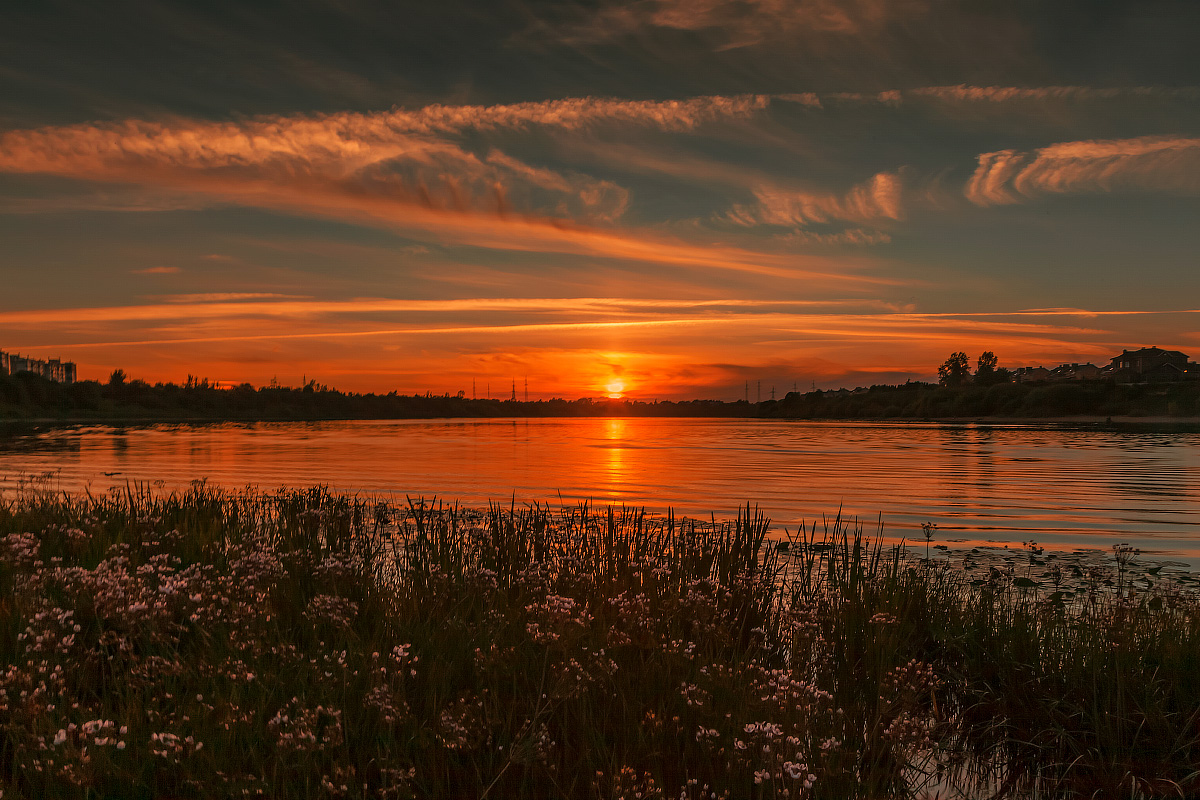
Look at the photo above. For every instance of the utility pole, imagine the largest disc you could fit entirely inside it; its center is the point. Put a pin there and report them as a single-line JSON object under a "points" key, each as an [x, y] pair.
{"points": [[514, 391], [747, 391], [772, 393], [526, 388]]}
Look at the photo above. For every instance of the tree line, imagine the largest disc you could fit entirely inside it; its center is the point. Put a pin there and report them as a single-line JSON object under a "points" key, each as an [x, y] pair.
{"points": [[956, 370], [986, 391]]}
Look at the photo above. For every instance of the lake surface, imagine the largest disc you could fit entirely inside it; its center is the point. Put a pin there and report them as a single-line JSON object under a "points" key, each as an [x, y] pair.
{"points": [[1065, 487]]}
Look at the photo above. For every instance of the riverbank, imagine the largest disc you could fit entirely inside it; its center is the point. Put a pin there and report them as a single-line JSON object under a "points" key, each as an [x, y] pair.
{"points": [[1180, 423], [30, 397], [304, 644]]}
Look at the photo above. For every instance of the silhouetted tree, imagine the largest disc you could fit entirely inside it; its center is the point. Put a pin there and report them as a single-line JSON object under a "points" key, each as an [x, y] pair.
{"points": [[987, 371], [955, 370], [117, 378]]}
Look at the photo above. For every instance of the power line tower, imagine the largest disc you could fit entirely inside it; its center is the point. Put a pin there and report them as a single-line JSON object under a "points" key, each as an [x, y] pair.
{"points": [[526, 388], [514, 391], [747, 391], [772, 393], [758, 396]]}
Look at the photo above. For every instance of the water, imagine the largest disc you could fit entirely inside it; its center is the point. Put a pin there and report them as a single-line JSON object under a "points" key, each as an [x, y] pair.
{"points": [[1065, 487]]}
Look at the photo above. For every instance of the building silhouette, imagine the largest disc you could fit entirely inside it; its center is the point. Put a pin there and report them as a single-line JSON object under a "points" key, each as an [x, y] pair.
{"points": [[1151, 364], [51, 369], [1144, 365]]}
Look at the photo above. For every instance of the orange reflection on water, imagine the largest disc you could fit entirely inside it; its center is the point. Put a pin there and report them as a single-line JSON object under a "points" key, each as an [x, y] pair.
{"points": [[1062, 487], [616, 465]]}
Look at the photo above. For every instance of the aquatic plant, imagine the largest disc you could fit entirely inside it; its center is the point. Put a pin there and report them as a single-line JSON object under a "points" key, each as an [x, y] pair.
{"points": [[308, 644]]}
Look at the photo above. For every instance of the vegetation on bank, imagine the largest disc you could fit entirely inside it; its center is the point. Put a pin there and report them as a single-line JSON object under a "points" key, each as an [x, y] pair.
{"points": [[303, 644], [27, 396], [1018, 400]]}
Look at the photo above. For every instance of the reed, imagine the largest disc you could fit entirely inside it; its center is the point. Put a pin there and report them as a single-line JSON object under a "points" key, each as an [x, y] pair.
{"points": [[308, 644]]}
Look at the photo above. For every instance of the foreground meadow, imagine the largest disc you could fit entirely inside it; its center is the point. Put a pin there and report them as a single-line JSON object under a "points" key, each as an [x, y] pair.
{"points": [[305, 644]]}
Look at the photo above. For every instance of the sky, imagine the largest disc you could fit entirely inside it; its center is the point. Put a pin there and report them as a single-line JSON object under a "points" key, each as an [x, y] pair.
{"points": [[667, 199]]}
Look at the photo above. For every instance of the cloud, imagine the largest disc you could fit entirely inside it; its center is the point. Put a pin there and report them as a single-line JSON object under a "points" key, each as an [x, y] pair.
{"points": [[374, 342], [741, 23], [422, 168], [233, 305], [399, 170], [853, 236], [880, 197], [218, 297], [963, 93], [1146, 164], [156, 271], [403, 149], [351, 140]]}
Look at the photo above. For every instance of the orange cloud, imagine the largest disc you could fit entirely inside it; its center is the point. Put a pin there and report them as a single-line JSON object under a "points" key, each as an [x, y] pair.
{"points": [[667, 349], [741, 23], [854, 236], [878, 198], [401, 152], [963, 93], [1150, 163], [524, 233], [217, 306], [351, 140], [384, 169]]}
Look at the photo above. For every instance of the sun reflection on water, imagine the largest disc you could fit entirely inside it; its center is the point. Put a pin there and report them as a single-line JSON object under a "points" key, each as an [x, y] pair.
{"points": [[616, 466]]}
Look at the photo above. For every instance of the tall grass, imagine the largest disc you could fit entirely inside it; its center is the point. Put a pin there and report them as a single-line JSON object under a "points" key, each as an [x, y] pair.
{"points": [[307, 644]]}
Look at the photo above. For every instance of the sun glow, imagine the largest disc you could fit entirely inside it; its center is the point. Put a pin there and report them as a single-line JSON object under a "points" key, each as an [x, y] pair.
{"points": [[616, 389]]}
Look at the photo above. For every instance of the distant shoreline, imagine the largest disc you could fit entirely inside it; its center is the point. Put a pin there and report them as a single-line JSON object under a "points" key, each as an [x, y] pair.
{"points": [[35, 400], [1082, 419]]}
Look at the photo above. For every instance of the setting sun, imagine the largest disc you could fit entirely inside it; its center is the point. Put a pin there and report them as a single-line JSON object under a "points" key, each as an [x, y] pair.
{"points": [[616, 389]]}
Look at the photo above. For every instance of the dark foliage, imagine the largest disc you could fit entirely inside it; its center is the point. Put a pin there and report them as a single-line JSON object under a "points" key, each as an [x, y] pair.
{"points": [[30, 397]]}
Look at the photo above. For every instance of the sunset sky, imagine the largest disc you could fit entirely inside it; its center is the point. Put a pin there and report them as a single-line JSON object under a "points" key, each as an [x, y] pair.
{"points": [[673, 196]]}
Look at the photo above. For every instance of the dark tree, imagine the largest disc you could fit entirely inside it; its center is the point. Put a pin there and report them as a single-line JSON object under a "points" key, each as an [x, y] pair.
{"points": [[986, 365], [987, 371], [955, 370]]}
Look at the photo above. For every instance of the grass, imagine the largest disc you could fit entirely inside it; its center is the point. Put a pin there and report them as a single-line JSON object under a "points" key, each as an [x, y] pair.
{"points": [[306, 644]]}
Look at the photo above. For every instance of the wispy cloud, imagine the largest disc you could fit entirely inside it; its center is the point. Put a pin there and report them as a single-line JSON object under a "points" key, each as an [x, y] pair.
{"points": [[368, 341], [224, 297], [963, 93], [350, 140], [1151, 163], [388, 169], [852, 236], [240, 305], [368, 155], [881, 197], [156, 271], [741, 23]]}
